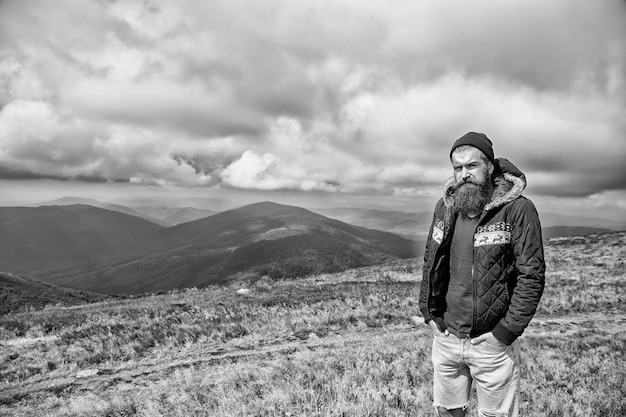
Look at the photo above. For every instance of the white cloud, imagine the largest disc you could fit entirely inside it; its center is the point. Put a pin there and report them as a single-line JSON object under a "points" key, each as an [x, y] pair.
{"points": [[309, 95], [252, 171], [18, 82], [36, 138]]}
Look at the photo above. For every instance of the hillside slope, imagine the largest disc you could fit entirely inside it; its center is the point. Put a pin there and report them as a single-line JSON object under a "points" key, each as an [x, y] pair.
{"points": [[19, 293], [35, 239], [72, 201]]}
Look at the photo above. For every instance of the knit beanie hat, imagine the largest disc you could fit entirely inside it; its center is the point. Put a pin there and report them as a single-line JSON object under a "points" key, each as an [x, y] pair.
{"points": [[477, 140]]}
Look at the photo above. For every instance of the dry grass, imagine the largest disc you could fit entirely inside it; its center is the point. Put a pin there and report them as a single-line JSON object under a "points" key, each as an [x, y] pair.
{"points": [[328, 345]]}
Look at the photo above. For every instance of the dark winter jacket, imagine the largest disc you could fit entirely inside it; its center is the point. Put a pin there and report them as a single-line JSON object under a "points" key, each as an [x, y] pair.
{"points": [[508, 269]]}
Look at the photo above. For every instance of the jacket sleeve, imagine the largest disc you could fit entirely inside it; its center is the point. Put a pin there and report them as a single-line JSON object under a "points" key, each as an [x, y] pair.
{"points": [[530, 267], [425, 284]]}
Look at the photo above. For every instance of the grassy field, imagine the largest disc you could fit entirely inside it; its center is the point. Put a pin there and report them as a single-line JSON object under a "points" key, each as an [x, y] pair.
{"points": [[326, 345]]}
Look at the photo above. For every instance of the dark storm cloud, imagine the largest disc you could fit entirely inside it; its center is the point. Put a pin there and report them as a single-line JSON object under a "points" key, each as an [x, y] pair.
{"points": [[8, 173], [95, 178]]}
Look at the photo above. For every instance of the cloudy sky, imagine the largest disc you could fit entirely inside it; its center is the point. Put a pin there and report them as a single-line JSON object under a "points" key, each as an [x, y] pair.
{"points": [[318, 99]]}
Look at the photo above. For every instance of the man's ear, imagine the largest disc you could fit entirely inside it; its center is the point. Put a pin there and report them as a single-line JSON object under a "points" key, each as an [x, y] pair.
{"points": [[492, 168]]}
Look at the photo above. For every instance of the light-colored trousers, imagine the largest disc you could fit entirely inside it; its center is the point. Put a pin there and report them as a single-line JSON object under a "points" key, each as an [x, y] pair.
{"points": [[494, 369]]}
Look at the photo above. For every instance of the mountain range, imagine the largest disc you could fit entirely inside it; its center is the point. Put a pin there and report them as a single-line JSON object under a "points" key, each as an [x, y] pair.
{"points": [[411, 225], [100, 250], [153, 211], [153, 246]]}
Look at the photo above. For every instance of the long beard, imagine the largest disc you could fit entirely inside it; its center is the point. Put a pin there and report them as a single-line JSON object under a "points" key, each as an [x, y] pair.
{"points": [[470, 197]]}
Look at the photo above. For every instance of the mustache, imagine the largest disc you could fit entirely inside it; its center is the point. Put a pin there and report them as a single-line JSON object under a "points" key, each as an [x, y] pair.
{"points": [[458, 185]]}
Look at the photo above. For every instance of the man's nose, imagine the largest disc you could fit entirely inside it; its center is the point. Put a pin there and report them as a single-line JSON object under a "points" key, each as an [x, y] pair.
{"points": [[465, 174]]}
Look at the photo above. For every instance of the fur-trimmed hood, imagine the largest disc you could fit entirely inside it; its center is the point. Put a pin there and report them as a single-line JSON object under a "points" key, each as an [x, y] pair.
{"points": [[509, 183]]}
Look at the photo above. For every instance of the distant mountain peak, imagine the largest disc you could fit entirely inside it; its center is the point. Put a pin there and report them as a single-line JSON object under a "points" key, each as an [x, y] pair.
{"points": [[268, 205], [269, 208], [66, 201]]}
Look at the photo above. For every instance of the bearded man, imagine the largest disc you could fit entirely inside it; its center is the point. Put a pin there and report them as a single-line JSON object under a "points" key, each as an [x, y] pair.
{"points": [[483, 277]]}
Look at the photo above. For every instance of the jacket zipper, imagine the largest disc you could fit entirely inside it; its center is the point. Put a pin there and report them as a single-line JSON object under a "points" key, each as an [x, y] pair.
{"points": [[473, 296], [474, 290]]}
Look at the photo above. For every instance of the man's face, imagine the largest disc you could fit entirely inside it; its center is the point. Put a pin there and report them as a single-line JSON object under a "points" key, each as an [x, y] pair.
{"points": [[473, 188], [470, 168]]}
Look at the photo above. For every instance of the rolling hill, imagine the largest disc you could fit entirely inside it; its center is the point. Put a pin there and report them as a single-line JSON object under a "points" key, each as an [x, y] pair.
{"points": [[153, 211], [18, 293], [34, 239], [98, 250], [72, 201]]}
